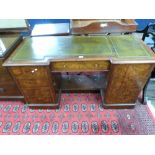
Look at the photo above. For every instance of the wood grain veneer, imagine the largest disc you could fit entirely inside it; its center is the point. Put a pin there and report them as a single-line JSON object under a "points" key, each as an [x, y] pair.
{"points": [[125, 82]]}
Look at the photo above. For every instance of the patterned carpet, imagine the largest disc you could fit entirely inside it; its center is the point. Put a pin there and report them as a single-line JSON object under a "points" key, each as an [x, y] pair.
{"points": [[79, 113]]}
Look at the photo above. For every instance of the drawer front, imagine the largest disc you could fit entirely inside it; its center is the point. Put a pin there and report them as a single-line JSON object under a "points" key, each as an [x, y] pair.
{"points": [[33, 83], [9, 90], [43, 92], [80, 66], [29, 72], [34, 100]]}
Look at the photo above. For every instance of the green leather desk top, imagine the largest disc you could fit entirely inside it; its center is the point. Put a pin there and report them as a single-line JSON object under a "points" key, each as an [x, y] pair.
{"points": [[42, 50], [6, 42]]}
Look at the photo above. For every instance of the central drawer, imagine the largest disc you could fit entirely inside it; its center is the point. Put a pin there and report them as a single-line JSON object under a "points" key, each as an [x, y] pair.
{"points": [[80, 66]]}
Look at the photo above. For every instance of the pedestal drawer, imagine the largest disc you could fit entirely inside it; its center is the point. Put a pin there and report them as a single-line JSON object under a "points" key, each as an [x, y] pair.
{"points": [[30, 83], [39, 100], [40, 92], [29, 72], [5, 79], [9, 90]]}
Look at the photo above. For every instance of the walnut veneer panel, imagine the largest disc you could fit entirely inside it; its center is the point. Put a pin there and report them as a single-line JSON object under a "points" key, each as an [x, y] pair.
{"points": [[7, 91], [40, 92], [126, 81], [35, 83], [29, 72], [32, 83], [38, 100]]}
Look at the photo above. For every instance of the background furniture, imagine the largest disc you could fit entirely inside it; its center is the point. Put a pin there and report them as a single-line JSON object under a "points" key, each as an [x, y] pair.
{"points": [[53, 29], [10, 38], [8, 88], [142, 23], [102, 26], [149, 30], [13, 25]]}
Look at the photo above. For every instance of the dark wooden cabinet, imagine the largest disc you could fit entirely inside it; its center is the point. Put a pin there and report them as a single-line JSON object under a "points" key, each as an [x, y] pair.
{"points": [[8, 87]]}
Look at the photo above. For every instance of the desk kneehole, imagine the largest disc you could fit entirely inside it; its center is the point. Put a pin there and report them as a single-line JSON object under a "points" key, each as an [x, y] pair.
{"points": [[80, 66]]}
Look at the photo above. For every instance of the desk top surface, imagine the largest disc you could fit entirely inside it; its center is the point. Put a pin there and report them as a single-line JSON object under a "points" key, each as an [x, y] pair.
{"points": [[117, 49], [6, 42]]}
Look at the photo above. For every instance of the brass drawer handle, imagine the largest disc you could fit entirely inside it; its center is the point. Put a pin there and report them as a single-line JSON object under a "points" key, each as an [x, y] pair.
{"points": [[96, 65], [64, 66], [34, 70], [2, 90]]}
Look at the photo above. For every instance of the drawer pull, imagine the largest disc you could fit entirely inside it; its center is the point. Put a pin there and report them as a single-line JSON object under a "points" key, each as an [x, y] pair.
{"points": [[64, 66], [96, 65], [35, 70]]}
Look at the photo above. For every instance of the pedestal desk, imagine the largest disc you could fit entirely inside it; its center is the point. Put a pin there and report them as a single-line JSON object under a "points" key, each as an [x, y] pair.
{"points": [[38, 66]]}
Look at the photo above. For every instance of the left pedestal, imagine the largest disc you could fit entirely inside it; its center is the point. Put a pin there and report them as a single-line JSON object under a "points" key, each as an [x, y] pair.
{"points": [[37, 86]]}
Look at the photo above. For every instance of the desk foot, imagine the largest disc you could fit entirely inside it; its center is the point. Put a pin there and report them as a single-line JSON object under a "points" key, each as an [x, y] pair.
{"points": [[116, 105], [48, 105], [43, 106]]}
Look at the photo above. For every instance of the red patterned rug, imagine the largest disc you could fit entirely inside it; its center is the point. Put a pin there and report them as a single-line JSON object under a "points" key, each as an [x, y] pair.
{"points": [[79, 113]]}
